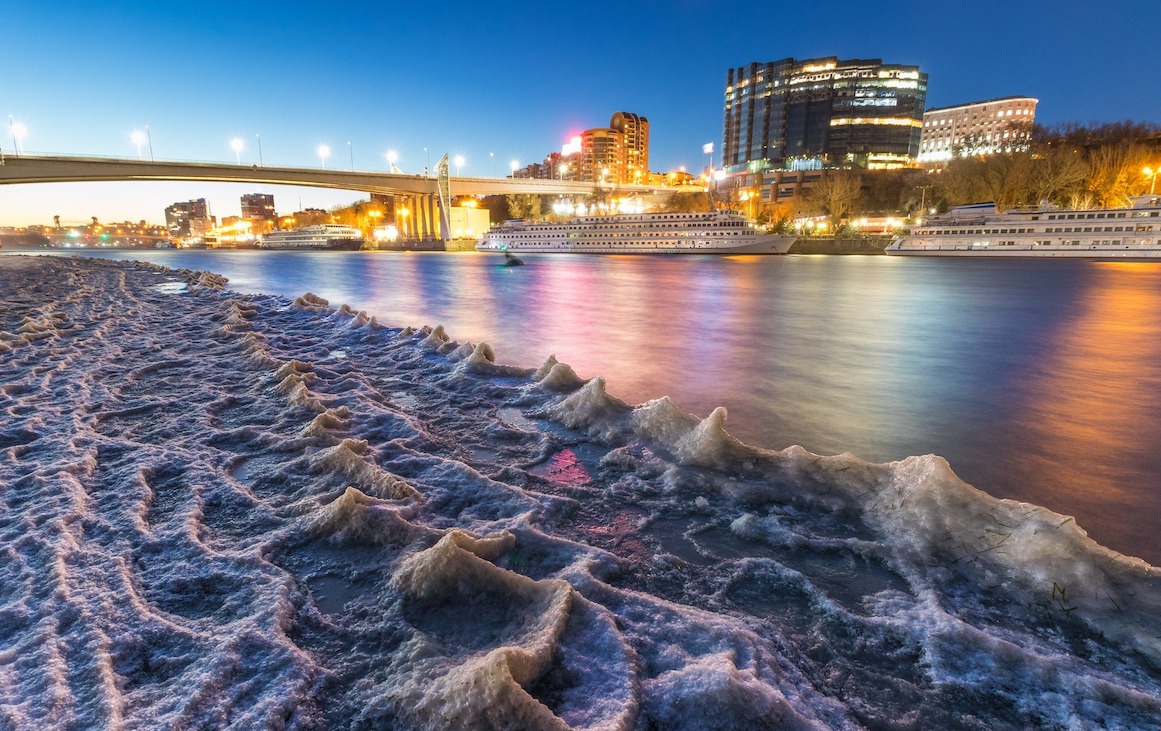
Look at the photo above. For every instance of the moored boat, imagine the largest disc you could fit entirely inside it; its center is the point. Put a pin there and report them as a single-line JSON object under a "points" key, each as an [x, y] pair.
{"points": [[323, 237], [978, 230], [716, 232]]}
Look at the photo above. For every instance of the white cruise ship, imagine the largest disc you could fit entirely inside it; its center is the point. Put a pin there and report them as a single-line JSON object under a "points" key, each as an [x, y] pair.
{"points": [[327, 236], [1110, 233], [718, 232]]}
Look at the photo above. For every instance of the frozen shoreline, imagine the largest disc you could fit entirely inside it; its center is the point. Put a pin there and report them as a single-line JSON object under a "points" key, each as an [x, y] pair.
{"points": [[228, 509]]}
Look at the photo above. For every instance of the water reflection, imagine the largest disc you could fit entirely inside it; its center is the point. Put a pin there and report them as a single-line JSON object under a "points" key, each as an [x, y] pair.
{"points": [[1038, 380]]}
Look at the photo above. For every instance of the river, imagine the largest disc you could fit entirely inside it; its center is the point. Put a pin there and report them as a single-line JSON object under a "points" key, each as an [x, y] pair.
{"points": [[1037, 380]]}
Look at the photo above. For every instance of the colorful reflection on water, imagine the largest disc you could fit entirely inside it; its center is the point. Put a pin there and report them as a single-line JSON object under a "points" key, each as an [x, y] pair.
{"points": [[1038, 380]]}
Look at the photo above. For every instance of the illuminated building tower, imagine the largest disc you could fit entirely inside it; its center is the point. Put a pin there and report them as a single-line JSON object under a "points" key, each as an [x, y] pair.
{"points": [[188, 218], [822, 113], [258, 209], [634, 130], [602, 156], [980, 128]]}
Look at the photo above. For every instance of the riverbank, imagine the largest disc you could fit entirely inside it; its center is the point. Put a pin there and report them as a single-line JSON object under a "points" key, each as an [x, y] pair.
{"points": [[276, 512], [869, 245]]}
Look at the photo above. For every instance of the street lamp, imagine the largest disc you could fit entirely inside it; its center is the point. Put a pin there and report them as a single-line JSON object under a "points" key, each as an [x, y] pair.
{"points": [[459, 161], [351, 148], [1152, 174], [260, 163], [138, 138], [237, 146], [392, 156], [427, 161], [493, 156], [515, 165], [563, 170], [18, 132], [149, 138], [323, 153]]}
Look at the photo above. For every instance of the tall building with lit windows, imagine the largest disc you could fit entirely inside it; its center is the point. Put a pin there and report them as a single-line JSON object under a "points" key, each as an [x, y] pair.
{"points": [[1002, 125], [822, 113], [634, 161], [258, 209]]}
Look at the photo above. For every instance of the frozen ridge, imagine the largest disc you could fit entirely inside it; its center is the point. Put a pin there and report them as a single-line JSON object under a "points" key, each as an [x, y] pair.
{"points": [[230, 511]]}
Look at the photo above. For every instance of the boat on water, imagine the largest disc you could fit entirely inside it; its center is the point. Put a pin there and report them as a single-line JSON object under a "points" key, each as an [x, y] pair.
{"points": [[716, 232], [322, 237], [978, 230]]}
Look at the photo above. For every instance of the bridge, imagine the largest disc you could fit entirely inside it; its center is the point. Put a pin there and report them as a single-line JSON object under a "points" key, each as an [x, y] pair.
{"points": [[422, 193]]}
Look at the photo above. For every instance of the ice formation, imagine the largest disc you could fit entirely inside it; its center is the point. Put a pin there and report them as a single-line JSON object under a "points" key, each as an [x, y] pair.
{"points": [[226, 510]]}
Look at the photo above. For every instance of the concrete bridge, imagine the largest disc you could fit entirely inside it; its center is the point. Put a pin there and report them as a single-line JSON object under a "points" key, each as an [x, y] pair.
{"points": [[420, 192]]}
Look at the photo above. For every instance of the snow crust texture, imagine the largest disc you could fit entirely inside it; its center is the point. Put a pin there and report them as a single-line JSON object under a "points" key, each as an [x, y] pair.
{"points": [[230, 511]]}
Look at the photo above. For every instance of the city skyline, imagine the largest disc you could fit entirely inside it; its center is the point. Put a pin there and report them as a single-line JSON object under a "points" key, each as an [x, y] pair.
{"points": [[493, 86]]}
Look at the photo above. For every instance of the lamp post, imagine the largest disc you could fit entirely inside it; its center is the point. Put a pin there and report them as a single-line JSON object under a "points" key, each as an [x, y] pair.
{"points": [[18, 131], [138, 138], [515, 165], [149, 138], [493, 156], [351, 148], [392, 156], [260, 163], [237, 146], [1153, 175], [459, 161], [426, 162], [563, 170], [323, 153]]}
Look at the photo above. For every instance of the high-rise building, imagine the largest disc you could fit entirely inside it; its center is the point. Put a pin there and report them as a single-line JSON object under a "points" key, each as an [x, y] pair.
{"points": [[821, 113], [258, 209], [602, 155], [993, 126], [188, 218], [634, 130]]}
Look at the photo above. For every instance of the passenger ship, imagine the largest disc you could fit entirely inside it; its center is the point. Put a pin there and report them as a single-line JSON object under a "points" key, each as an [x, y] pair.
{"points": [[323, 237], [718, 232], [977, 230]]}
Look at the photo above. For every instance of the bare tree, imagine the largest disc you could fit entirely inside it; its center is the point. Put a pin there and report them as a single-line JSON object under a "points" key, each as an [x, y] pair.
{"points": [[837, 194]]}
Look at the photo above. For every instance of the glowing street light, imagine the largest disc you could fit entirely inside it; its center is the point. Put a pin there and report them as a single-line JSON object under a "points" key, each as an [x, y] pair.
{"points": [[459, 161], [138, 138], [493, 156], [237, 146], [515, 165], [392, 157], [351, 148], [563, 170], [1152, 174], [18, 133], [323, 153], [260, 163]]}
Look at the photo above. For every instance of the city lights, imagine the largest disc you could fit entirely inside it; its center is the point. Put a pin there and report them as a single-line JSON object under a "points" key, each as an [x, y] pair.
{"points": [[138, 138], [459, 160], [392, 158], [323, 153], [18, 133], [237, 146], [1151, 173]]}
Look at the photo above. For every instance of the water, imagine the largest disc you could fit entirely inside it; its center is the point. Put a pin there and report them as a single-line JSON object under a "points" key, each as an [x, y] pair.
{"points": [[1038, 380], [247, 511]]}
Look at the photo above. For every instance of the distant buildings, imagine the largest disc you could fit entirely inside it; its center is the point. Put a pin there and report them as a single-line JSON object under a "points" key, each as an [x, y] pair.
{"points": [[822, 113], [612, 155], [186, 219], [258, 211], [993, 126]]}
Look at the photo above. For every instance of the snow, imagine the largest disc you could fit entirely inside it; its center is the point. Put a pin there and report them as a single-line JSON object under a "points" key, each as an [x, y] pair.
{"points": [[225, 510]]}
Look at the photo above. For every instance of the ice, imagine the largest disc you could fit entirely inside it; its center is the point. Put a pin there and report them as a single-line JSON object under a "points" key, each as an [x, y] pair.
{"points": [[225, 510]]}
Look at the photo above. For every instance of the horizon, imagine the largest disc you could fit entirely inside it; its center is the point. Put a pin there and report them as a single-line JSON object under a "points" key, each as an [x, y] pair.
{"points": [[498, 86]]}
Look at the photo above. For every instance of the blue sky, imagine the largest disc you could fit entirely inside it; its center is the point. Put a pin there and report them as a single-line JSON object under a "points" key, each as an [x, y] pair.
{"points": [[494, 82]]}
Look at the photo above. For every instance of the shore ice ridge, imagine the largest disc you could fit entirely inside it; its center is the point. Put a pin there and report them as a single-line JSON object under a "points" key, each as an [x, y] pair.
{"points": [[246, 511]]}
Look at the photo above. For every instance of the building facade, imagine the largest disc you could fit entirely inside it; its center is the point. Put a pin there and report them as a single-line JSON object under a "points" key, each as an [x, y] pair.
{"points": [[189, 218], [1002, 125], [822, 113], [634, 130], [258, 210]]}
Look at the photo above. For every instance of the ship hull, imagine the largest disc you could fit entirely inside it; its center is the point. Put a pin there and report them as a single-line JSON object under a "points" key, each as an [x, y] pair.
{"points": [[772, 244]]}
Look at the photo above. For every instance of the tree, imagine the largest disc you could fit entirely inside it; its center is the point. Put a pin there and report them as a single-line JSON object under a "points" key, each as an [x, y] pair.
{"points": [[686, 203], [837, 194], [524, 205]]}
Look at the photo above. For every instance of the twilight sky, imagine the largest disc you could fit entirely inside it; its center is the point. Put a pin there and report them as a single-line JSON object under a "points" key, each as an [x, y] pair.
{"points": [[493, 82]]}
